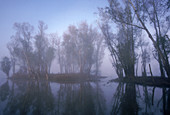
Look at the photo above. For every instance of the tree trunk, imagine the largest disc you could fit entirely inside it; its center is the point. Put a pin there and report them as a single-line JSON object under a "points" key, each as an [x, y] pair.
{"points": [[150, 70], [161, 66]]}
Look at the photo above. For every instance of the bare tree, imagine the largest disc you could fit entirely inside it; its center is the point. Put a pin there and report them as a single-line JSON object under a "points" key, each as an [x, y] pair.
{"points": [[82, 48], [122, 45], [142, 11], [41, 44], [98, 52], [12, 46], [57, 45], [21, 46]]}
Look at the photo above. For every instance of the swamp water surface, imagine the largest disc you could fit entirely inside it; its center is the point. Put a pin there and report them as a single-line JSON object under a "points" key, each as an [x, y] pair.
{"points": [[85, 98]]}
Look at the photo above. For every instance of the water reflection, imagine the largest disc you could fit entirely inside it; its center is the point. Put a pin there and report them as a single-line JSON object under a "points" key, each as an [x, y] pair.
{"points": [[81, 99], [85, 98], [125, 102], [131, 99], [33, 97], [28, 97]]}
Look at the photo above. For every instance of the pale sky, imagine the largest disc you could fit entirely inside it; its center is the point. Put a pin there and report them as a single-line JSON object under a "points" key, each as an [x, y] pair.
{"points": [[57, 14]]}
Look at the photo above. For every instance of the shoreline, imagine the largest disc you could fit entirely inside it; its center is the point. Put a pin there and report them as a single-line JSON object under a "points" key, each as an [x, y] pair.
{"points": [[60, 78], [149, 81]]}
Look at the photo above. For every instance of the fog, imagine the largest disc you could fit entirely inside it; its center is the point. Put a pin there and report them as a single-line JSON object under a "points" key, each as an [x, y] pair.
{"points": [[91, 57]]}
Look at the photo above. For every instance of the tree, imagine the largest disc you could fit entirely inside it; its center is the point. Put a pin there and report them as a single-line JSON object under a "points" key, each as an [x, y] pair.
{"points": [[57, 45], [112, 46], [82, 49], [156, 13], [6, 65], [41, 45], [121, 45], [50, 55], [21, 46], [71, 49], [34, 57], [12, 46], [144, 55], [144, 11], [98, 52]]}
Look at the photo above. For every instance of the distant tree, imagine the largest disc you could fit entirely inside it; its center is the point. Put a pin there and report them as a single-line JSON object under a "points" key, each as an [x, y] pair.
{"points": [[145, 55], [57, 45], [6, 65], [99, 48], [82, 49], [12, 46], [50, 55], [71, 49], [20, 46], [41, 44]]}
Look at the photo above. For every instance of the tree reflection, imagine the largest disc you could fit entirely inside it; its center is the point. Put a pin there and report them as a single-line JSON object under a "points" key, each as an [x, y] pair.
{"points": [[129, 104], [125, 102], [168, 102], [147, 100], [36, 97], [29, 97], [4, 89], [82, 98]]}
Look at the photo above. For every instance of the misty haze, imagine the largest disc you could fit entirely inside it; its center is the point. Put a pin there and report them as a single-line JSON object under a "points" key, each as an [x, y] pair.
{"points": [[85, 57]]}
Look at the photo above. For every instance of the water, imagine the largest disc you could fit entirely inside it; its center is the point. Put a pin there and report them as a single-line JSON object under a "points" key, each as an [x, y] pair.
{"points": [[86, 98]]}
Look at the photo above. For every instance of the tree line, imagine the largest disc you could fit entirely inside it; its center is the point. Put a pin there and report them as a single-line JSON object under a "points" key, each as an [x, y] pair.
{"points": [[79, 50]]}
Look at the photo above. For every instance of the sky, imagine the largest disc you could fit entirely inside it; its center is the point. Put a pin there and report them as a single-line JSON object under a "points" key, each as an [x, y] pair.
{"points": [[57, 14]]}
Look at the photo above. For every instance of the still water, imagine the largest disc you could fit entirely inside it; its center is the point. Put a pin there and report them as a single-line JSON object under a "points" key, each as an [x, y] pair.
{"points": [[86, 98]]}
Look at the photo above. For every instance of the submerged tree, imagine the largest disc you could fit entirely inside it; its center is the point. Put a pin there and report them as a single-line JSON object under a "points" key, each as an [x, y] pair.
{"points": [[6, 65]]}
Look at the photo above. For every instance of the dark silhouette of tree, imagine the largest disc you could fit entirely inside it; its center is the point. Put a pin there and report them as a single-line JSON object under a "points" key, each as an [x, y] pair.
{"points": [[125, 100]]}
